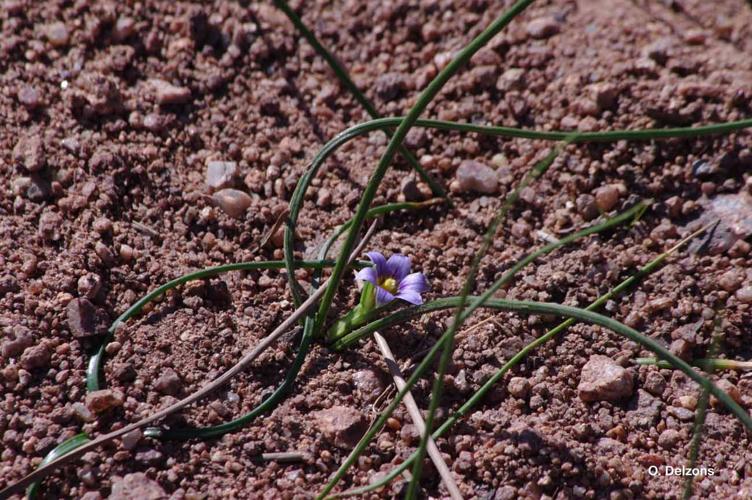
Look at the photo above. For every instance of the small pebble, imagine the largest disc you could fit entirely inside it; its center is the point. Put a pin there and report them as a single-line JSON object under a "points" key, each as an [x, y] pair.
{"points": [[689, 402], [112, 348], [519, 387], [233, 202], [221, 174], [681, 348], [126, 253], [604, 94], [511, 79], [606, 197], [586, 206], [124, 27], [167, 93], [730, 280], [23, 339], [105, 254], [324, 198], [82, 319], [154, 122], [30, 97], [35, 357], [29, 151], [475, 176], [169, 383], [744, 295], [602, 379], [82, 413], [57, 34], [542, 27], [89, 285], [655, 383], [730, 389], [102, 400], [136, 485], [102, 225], [669, 438], [341, 424]]}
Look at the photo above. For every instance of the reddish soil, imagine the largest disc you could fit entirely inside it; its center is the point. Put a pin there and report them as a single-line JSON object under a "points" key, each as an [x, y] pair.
{"points": [[105, 198]]}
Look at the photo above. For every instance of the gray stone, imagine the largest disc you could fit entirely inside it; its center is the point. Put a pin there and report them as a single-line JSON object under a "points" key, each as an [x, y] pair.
{"points": [[475, 176], [221, 174]]}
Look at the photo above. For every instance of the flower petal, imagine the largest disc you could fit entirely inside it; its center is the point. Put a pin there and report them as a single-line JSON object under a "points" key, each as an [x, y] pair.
{"points": [[367, 274], [415, 282], [379, 261], [410, 296], [398, 266], [382, 296]]}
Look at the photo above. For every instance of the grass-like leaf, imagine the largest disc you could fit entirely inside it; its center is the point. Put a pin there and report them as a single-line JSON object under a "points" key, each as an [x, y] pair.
{"points": [[344, 77], [62, 449]]}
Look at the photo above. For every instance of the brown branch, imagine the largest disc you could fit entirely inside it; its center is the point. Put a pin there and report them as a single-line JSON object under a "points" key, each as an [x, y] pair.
{"points": [[412, 409], [45, 470]]}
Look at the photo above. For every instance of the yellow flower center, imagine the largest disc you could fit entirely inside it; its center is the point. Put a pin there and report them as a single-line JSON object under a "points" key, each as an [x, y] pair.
{"points": [[389, 284]]}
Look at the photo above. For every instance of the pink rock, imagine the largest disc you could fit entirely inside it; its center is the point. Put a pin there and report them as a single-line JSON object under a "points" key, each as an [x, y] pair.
{"points": [[606, 197], [604, 380], [167, 93], [475, 176], [221, 174], [344, 425], [103, 400], [136, 486], [233, 202], [542, 27]]}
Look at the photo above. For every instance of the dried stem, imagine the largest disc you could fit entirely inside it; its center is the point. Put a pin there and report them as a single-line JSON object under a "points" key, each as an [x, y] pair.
{"points": [[414, 411], [208, 388]]}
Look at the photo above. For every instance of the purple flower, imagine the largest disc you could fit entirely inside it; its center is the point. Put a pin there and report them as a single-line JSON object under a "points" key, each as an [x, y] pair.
{"points": [[393, 280]]}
